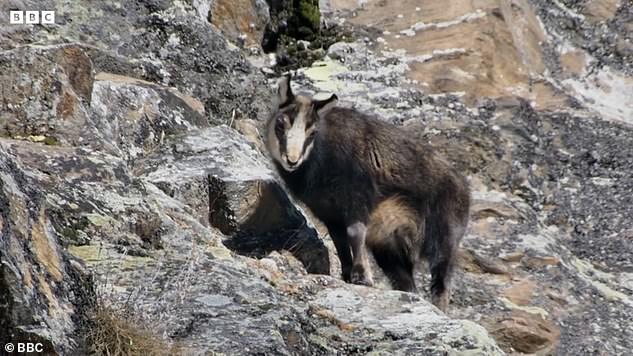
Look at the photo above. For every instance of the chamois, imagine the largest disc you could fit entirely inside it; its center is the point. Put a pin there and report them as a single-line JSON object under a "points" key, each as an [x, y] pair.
{"points": [[373, 185]]}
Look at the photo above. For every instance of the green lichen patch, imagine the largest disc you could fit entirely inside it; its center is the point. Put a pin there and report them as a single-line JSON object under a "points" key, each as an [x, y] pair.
{"points": [[295, 53]]}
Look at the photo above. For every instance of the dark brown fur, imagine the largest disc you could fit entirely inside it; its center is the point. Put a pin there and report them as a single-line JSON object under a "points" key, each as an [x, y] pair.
{"points": [[372, 182]]}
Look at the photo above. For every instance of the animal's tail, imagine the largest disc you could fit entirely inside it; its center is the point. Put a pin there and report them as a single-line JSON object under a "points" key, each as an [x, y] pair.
{"points": [[393, 235]]}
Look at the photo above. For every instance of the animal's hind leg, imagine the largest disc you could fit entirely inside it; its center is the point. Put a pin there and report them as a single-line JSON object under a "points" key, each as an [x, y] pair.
{"points": [[442, 263], [392, 236], [361, 271], [398, 270], [393, 254], [441, 272]]}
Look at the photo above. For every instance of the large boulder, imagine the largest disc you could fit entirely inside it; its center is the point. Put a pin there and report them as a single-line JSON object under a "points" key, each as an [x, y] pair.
{"points": [[133, 116], [401, 323], [45, 293], [45, 91], [230, 186]]}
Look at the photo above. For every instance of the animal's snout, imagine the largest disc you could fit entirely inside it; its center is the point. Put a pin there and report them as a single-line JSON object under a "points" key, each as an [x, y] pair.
{"points": [[292, 163]]}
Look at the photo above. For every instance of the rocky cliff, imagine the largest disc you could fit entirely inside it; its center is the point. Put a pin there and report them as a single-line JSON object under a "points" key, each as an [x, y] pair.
{"points": [[133, 180]]}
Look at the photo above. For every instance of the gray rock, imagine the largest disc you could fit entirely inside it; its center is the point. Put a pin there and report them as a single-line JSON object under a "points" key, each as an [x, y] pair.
{"points": [[162, 41], [133, 117], [229, 185], [45, 294], [404, 324], [49, 101]]}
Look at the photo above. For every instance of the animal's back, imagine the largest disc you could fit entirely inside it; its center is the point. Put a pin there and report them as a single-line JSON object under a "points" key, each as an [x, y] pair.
{"points": [[395, 159]]}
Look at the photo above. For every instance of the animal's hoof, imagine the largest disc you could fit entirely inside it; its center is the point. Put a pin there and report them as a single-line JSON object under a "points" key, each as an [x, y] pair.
{"points": [[441, 301], [346, 276], [360, 277]]}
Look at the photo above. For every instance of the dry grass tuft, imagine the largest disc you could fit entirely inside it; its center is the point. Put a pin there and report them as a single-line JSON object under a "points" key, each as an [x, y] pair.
{"points": [[116, 333]]}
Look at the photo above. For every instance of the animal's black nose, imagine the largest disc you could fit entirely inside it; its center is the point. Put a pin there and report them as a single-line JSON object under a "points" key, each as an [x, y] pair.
{"points": [[292, 163]]}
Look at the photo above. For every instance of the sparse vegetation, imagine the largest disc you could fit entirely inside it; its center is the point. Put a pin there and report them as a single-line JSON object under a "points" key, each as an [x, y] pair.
{"points": [[297, 36], [116, 327], [115, 332], [308, 16], [295, 54]]}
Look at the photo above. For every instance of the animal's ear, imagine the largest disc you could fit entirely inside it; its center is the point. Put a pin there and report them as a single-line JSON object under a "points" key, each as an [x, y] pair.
{"points": [[284, 92], [322, 107]]}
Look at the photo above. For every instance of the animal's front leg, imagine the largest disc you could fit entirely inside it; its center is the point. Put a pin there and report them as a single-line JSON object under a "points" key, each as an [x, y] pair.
{"points": [[361, 271], [341, 242]]}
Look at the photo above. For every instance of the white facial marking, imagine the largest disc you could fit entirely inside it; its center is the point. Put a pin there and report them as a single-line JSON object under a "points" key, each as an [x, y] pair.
{"points": [[295, 139]]}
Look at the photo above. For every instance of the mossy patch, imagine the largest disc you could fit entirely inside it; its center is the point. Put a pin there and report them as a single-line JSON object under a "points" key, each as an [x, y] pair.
{"points": [[309, 14], [89, 253], [292, 23], [37, 138], [51, 141], [97, 220], [47, 140], [296, 53], [107, 254], [324, 72]]}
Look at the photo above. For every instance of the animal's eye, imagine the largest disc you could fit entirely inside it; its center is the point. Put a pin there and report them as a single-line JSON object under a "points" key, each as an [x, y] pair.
{"points": [[280, 124]]}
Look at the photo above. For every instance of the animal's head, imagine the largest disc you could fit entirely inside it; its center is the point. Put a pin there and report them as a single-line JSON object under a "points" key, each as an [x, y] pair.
{"points": [[294, 125]]}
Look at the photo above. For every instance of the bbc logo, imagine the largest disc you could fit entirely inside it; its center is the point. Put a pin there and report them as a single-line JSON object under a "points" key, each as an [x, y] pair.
{"points": [[32, 17]]}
